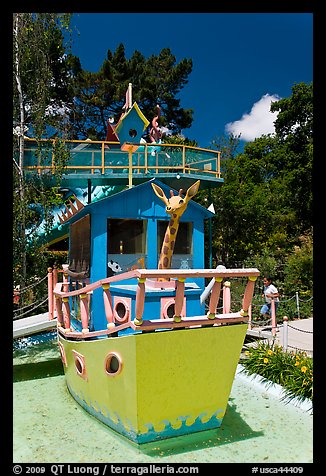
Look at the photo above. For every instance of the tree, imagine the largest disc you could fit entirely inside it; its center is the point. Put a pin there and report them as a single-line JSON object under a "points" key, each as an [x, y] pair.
{"points": [[41, 95], [294, 130], [101, 95], [264, 205]]}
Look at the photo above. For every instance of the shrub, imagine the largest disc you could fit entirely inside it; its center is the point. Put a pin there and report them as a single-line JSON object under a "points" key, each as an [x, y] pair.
{"points": [[292, 370]]}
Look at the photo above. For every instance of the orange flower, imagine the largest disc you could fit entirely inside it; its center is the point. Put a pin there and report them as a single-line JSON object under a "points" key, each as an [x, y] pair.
{"points": [[304, 369]]}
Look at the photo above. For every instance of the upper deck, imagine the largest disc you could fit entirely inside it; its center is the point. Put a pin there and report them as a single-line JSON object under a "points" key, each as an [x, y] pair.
{"points": [[104, 163]]}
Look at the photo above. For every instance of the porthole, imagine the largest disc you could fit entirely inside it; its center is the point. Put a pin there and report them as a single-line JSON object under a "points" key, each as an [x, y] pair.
{"points": [[80, 365], [121, 310], [170, 311], [62, 354], [113, 364]]}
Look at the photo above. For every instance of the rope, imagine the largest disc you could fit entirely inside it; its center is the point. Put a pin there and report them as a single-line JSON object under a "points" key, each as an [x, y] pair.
{"points": [[30, 310], [32, 285], [261, 323], [23, 307], [300, 330]]}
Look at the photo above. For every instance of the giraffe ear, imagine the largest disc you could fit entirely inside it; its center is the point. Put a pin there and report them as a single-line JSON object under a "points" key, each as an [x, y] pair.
{"points": [[191, 192], [159, 192]]}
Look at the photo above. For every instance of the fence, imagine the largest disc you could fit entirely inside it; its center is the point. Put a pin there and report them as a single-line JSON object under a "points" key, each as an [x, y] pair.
{"points": [[20, 295]]}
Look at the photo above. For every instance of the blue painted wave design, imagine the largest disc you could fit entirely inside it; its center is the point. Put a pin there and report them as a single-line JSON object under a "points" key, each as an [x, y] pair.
{"points": [[151, 434]]}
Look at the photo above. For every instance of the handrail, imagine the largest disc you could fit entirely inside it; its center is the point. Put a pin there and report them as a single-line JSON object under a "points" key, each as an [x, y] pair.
{"points": [[144, 151], [61, 296], [166, 273]]}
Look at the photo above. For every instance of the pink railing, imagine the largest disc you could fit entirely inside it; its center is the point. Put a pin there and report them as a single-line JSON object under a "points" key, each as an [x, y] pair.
{"points": [[146, 279]]}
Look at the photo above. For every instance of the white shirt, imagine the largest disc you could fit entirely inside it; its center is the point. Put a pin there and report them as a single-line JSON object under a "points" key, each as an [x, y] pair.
{"points": [[270, 289]]}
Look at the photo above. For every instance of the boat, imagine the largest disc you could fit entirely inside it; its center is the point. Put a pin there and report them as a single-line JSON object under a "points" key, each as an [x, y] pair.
{"points": [[142, 350], [139, 350]]}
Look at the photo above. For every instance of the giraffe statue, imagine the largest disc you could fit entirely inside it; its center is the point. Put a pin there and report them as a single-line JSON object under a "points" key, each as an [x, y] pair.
{"points": [[175, 206]]}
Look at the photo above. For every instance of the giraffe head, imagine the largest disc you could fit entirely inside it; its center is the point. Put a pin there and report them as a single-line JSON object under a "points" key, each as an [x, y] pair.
{"points": [[176, 204]]}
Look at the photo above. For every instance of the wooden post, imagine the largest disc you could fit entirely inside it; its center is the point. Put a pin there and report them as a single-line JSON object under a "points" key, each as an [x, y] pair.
{"points": [[130, 168], [146, 159], [285, 333], [140, 301], [50, 294], [226, 297], [84, 312], [65, 280], [250, 317], [103, 159], [179, 297], [273, 315], [214, 298], [184, 159], [66, 313], [247, 298], [58, 305], [107, 298], [54, 283]]}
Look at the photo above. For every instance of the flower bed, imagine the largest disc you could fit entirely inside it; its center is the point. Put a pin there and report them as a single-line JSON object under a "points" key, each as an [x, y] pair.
{"points": [[292, 370]]}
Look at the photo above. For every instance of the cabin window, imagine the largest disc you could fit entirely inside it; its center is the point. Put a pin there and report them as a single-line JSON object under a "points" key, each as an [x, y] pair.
{"points": [[80, 246], [183, 242], [126, 236]]}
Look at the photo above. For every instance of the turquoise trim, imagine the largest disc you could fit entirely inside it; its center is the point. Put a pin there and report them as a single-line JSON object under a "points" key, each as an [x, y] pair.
{"points": [[151, 434]]}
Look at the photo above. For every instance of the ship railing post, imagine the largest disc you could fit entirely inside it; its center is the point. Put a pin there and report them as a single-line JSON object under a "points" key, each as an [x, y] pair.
{"points": [[285, 333], [140, 301], [65, 278], [66, 313], [248, 294], [54, 283], [50, 294], [226, 297], [179, 298], [273, 314], [107, 298], [214, 297], [84, 312], [58, 305], [146, 159]]}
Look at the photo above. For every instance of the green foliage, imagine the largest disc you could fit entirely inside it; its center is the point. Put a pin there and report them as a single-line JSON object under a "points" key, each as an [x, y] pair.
{"points": [[265, 203], [298, 271], [42, 94], [156, 80], [293, 371]]}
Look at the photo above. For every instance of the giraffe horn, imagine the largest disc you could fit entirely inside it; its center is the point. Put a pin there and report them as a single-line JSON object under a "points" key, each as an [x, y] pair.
{"points": [[180, 192], [171, 193]]}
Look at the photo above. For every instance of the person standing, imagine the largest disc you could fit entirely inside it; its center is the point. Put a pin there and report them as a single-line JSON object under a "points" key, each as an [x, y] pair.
{"points": [[270, 293]]}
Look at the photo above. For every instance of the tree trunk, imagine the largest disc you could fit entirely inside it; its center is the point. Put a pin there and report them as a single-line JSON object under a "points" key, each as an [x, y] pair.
{"points": [[17, 26]]}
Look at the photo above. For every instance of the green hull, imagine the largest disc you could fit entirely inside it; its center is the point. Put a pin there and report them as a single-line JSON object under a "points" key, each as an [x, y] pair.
{"points": [[155, 385]]}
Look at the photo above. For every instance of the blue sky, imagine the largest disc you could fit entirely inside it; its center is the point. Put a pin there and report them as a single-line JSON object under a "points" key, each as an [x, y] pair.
{"points": [[241, 61]]}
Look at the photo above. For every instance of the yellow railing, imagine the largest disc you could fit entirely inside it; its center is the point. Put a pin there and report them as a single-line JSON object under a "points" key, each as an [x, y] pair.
{"points": [[105, 158]]}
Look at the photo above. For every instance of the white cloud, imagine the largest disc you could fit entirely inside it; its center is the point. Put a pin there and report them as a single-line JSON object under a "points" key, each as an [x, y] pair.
{"points": [[259, 121]]}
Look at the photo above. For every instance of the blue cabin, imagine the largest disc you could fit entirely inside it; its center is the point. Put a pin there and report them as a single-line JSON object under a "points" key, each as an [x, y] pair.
{"points": [[125, 231]]}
